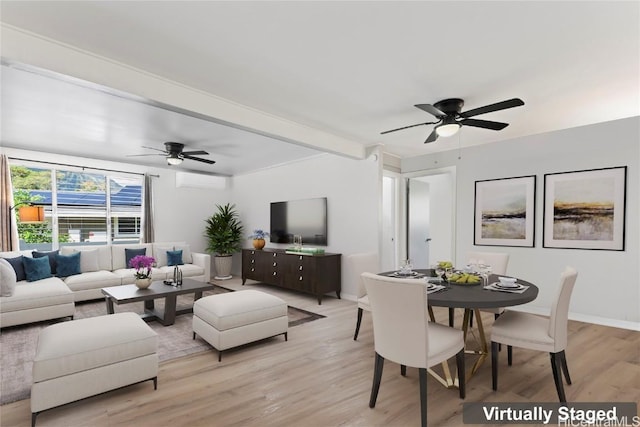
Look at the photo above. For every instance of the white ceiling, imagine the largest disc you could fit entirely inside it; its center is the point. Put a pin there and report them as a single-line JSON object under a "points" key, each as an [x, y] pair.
{"points": [[350, 69]]}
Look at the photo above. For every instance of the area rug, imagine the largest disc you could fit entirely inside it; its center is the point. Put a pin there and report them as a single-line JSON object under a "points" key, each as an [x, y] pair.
{"points": [[18, 343]]}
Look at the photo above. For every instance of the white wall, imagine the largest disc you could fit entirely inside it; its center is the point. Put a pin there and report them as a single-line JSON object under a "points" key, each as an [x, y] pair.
{"points": [[608, 286], [180, 213], [352, 189]]}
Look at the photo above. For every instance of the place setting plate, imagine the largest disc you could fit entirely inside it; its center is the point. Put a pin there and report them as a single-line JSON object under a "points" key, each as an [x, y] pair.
{"points": [[412, 274], [432, 287], [507, 287]]}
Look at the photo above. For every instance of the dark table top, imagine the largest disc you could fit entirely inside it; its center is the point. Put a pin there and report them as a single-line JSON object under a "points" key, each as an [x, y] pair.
{"points": [[157, 289], [475, 296]]}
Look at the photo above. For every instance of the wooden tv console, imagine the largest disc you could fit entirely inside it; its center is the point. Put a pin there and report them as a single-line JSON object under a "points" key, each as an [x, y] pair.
{"points": [[313, 274]]}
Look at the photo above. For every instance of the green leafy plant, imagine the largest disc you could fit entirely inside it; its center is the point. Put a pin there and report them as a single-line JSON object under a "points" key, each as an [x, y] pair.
{"points": [[224, 231]]}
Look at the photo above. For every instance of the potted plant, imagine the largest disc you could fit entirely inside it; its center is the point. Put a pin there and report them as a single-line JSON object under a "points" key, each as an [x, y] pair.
{"points": [[258, 236], [224, 234]]}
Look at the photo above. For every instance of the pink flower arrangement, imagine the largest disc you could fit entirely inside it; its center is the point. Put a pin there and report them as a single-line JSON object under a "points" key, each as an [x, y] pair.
{"points": [[142, 264]]}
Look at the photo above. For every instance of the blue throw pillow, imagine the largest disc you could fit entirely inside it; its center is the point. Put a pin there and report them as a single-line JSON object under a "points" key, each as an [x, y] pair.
{"points": [[36, 268], [131, 253], [17, 265], [52, 259], [68, 265], [174, 258]]}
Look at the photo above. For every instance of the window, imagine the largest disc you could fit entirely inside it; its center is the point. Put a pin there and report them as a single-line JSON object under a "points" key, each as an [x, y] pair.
{"points": [[80, 207]]}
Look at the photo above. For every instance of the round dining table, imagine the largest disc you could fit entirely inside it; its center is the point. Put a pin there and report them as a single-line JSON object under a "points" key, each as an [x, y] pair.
{"points": [[471, 298]]}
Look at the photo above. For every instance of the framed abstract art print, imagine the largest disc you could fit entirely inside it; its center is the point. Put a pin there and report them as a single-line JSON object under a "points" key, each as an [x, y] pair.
{"points": [[585, 209], [505, 212]]}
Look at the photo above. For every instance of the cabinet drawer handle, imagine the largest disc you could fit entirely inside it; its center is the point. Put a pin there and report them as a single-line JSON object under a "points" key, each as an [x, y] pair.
{"points": [[253, 269], [275, 255], [275, 263], [300, 278], [253, 252], [300, 268], [253, 261], [300, 257], [274, 273]]}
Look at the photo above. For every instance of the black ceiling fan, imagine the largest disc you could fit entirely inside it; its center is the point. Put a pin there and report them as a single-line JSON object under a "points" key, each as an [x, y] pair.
{"points": [[451, 118], [175, 155]]}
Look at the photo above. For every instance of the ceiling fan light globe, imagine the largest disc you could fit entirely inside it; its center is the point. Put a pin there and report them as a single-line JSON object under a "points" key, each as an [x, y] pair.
{"points": [[173, 161], [448, 129]]}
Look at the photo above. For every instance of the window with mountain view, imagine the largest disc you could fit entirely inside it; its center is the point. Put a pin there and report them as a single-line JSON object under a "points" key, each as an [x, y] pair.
{"points": [[80, 207]]}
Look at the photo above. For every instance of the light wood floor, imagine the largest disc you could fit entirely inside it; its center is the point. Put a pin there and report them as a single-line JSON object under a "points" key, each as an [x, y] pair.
{"points": [[321, 377]]}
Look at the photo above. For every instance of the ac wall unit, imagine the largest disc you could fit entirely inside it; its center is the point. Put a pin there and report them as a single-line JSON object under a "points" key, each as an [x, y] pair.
{"points": [[194, 180]]}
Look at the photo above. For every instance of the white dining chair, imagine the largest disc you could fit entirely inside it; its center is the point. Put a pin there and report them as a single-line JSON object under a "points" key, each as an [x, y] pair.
{"points": [[354, 266], [517, 329], [402, 333]]}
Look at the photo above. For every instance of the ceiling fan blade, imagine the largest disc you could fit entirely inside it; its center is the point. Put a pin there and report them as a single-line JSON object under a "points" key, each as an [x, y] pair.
{"points": [[510, 103], [148, 154], [432, 137], [431, 110], [407, 127], [198, 159], [485, 124], [157, 149], [195, 153]]}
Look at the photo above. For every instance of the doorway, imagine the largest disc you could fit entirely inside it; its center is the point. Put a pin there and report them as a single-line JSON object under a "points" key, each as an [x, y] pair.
{"points": [[430, 218]]}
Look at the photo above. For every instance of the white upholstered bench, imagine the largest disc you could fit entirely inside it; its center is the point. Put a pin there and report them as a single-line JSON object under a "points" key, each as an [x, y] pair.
{"points": [[236, 318], [82, 358]]}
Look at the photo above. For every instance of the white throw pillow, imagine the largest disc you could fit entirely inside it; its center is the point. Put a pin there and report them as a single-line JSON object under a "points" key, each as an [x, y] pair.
{"points": [[160, 254], [89, 261], [89, 258], [7, 278], [186, 253]]}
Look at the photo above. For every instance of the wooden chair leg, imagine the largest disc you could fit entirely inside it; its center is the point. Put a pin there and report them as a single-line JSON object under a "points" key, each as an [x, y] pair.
{"points": [[377, 377], [565, 368], [422, 373], [403, 370], [509, 355], [556, 366], [355, 336], [461, 374], [451, 317], [494, 364]]}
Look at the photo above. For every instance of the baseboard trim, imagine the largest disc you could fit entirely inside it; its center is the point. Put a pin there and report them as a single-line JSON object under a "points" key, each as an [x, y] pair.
{"points": [[586, 318]]}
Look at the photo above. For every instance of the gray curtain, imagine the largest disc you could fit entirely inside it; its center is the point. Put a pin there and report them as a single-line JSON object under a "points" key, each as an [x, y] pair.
{"points": [[8, 227], [147, 233]]}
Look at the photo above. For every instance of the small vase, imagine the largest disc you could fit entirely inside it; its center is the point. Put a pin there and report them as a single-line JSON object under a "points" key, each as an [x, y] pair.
{"points": [[258, 243], [143, 283]]}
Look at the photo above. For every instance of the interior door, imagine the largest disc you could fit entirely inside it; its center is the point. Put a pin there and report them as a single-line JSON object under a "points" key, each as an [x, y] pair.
{"points": [[390, 205], [418, 223], [430, 218]]}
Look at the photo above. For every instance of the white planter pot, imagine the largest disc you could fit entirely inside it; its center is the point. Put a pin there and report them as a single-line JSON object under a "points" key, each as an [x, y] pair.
{"points": [[223, 266]]}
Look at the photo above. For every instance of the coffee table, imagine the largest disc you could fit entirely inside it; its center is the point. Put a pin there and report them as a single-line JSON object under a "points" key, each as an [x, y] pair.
{"points": [[131, 293]]}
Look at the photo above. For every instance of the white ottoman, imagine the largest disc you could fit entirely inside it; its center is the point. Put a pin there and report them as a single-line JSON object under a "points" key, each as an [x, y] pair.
{"points": [[236, 318], [85, 357]]}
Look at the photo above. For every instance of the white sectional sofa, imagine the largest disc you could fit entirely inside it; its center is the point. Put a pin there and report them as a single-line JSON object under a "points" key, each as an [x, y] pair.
{"points": [[101, 266]]}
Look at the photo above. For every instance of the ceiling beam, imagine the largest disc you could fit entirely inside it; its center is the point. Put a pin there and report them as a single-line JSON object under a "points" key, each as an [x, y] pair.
{"points": [[24, 47]]}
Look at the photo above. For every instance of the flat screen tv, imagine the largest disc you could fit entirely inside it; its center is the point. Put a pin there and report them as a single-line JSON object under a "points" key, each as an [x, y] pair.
{"points": [[307, 218]]}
